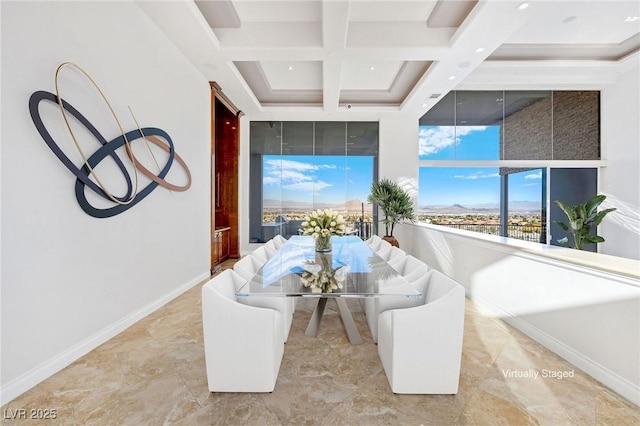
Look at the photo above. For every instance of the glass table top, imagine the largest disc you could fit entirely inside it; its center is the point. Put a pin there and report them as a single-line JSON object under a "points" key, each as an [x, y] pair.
{"points": [[351, 269]]}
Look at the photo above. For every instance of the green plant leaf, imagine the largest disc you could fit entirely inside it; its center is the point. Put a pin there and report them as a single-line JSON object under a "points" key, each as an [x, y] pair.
{"points": [[576, 224], [563, 241], [592, 205], [393, 200], [581, 211], [594, 239], [568, 210], [601, 214], [582, 218], [562, 225]]}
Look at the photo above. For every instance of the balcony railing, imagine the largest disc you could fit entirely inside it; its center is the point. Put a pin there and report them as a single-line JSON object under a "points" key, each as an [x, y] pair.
{"points": [[533, 233], [362, 229]]}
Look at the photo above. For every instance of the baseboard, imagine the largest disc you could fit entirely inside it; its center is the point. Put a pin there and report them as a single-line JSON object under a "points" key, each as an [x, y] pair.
{"points": [[605, 376], [48, 368]]}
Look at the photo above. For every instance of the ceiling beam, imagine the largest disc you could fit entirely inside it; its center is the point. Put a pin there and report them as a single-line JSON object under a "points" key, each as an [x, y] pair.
{"points": [[335, 24], [489, 25]]}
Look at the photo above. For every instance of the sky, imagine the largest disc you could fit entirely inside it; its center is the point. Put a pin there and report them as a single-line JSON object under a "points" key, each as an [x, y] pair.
{"points": [[317, 179], [336, 179], [443, 186]]}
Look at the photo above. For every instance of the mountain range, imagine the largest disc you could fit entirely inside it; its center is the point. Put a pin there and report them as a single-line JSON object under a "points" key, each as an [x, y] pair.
{"points": [[356, 205], [482, 208]]}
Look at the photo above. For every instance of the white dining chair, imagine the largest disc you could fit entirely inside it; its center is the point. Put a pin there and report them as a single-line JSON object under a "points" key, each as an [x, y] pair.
{"points": [[385, 250], [243, 345], [261, 254], [279, 241], [374, 242], [395, 256], [375, 305], [247, 266], [421, 347], [411, 268], [270, 248]]}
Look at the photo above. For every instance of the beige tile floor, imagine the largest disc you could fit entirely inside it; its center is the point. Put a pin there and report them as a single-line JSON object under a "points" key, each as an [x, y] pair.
{"points": [[154, 373]]}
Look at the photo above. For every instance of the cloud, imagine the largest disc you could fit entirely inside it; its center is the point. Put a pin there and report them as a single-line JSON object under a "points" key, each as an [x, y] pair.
{"points": [[290, 165], [268, 180], [433, 139], [307, 186], [537, 175], [295, 175], [477, 175], [525, 185]]}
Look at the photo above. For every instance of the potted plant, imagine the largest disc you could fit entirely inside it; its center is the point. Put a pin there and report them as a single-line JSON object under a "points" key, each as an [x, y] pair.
{"points": [[582, 218], [395, 203]]}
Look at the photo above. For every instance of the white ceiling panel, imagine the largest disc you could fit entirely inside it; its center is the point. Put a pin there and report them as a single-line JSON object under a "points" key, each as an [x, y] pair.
{"points": [[386, 11], [278, 11], [293, 75], [418, 48], [369, 75], [572, 22]]}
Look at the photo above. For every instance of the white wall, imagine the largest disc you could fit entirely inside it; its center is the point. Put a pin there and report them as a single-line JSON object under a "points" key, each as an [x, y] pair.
{"points": [[587, 315], [399, 146], [620, 181], [71, 281]]}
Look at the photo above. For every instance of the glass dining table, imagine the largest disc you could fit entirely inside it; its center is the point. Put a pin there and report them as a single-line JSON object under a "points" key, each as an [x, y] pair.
{"points": [[350, 270]]}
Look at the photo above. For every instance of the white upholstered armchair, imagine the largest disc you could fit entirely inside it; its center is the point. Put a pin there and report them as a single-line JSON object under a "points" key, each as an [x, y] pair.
{"points": [[247, 268], [421, 347], [243, 344], [375, 305]]}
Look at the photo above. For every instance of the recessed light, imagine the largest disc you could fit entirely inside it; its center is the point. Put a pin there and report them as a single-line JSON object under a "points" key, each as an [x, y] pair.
{"points": [[480, 50], [424, 105], [372, 68], [632, 19], [452, 77], [290, 68], [523, 6]]}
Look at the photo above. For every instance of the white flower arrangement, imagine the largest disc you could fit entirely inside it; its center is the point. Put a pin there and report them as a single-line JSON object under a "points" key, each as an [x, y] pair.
{"points": [[323, 223], [321, 277]]}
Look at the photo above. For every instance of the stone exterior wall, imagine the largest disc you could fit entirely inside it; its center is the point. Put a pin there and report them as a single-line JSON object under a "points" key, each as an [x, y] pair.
{"points": [[527, 134], [564, 126], [576, 125]]}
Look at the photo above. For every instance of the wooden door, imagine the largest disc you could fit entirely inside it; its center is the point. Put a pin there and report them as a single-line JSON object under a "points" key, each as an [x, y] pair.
{"points": [[225, 150]]}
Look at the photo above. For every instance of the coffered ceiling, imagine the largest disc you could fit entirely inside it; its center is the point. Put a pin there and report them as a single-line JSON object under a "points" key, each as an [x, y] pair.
{"points": [[329, 56]]}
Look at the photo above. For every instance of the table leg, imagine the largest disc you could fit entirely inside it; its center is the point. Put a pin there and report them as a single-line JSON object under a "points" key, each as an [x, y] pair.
{"points": [[348, 322], [314, 322]]}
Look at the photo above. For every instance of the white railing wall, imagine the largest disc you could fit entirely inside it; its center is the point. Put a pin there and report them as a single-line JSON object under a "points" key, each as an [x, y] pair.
{"points": [[585, 307]]}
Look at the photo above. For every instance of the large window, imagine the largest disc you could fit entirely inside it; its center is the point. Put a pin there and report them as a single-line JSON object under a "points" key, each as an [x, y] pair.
{"points": [[461, 197], [487, 159], [297, 167]]}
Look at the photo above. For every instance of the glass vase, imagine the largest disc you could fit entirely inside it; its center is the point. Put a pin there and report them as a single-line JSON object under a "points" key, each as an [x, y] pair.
{"points": [[323, 244]]}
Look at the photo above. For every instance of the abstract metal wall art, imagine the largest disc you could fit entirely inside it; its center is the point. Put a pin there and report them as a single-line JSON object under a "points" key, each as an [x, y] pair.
{"points": [[83, 174]]}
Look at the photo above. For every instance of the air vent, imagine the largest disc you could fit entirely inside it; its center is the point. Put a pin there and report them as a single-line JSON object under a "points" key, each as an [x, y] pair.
{"points": [[435, 96]]}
